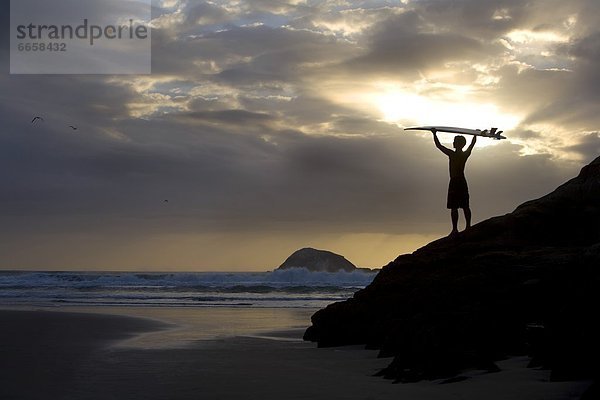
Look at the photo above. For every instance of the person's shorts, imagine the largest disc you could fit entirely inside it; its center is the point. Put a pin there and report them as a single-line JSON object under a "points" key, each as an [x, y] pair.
{"points": [[458, 193]]}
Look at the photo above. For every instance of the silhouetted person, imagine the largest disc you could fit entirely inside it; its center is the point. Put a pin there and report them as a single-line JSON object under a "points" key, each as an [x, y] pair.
{"points": [[458, 191]]}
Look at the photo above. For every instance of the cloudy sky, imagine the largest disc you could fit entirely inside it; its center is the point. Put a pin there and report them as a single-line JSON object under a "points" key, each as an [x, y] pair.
{"points": [[275, 125]]}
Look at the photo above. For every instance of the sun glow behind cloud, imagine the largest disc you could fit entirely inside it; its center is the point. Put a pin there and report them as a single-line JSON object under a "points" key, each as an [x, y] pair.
{"points": [[408, 107]]}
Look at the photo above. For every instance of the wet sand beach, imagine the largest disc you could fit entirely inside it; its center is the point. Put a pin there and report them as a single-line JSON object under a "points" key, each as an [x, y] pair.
{"points": [[67, 355]]}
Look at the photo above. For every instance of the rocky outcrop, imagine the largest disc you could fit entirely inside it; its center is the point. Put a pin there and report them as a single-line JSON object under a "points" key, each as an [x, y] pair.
{"points": [[318, 261], [524, 283]]}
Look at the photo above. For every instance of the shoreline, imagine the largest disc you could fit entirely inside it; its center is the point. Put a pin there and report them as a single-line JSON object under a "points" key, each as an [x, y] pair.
{"points": [[182, 327], [67, 355]]}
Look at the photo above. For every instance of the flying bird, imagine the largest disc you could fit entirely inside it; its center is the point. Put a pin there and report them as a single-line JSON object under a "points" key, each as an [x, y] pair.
{"points": [[73, 127], [36, 118], [166, 201]]}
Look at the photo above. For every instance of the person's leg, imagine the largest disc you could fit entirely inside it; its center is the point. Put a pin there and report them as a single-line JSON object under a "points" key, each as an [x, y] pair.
{"points": [[454, 215], [467, 211]]}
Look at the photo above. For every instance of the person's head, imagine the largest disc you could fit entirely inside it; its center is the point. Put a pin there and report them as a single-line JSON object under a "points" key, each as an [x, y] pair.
{"points": [[459, 142]]}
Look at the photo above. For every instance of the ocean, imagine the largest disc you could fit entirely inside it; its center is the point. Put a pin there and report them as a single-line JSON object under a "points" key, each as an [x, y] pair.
{"points": [[293, 288]]}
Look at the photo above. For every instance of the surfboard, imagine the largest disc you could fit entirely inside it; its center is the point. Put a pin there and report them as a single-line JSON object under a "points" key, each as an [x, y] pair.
{"points": [[493, 133]]}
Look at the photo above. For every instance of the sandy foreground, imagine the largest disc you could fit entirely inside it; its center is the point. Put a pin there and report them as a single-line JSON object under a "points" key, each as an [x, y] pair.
{"points": [[94, 355]]}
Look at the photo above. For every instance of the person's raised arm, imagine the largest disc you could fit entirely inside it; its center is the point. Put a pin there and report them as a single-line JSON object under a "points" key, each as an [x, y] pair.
{"points": [[470, 148], [442, 148]]}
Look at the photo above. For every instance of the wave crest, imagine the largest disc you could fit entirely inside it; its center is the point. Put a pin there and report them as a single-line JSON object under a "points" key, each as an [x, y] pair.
{"points": [[295, 277]]}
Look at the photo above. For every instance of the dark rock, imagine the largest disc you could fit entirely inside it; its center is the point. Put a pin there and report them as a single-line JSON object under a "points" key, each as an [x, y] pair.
{"points": [[592, 393], [455, 379], [470, 300], [318, 260]]}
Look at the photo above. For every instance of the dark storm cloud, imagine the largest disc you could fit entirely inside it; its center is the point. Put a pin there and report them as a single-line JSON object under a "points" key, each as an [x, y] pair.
{"points": [[588, 146], [489, 20], [279, 53], [84, 98], [246, 55], [531, 89], [397, 46], [204, 13], [586, 48], [308, 109], [525, 134], [569, 97], [436, 32]]}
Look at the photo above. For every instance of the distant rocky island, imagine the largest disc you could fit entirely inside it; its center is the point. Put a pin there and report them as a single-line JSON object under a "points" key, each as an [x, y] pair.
{"points": [[319, 261], [526, 283]]}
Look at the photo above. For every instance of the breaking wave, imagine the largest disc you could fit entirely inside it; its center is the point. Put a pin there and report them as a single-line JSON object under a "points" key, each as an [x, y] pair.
{"points": [[297, 287]]}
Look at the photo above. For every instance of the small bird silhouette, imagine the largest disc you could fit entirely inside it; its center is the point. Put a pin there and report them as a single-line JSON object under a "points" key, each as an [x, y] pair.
{"points": [[166, 201], [37, 118], [73, 127]]}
